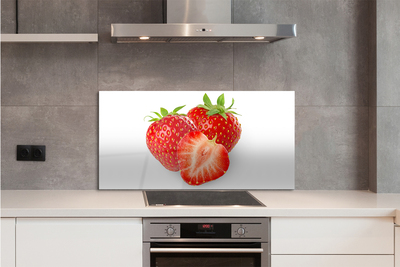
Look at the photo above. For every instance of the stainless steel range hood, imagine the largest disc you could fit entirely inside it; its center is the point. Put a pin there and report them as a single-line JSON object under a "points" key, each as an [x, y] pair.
{"points": [[199, 21]]}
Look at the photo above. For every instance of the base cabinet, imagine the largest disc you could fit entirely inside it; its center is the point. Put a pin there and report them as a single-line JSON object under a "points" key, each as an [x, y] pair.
{"points": [[397, 246], [7, 255], [332, 260], [295, 242], [332, 242], [78, 242], [369, 236]]}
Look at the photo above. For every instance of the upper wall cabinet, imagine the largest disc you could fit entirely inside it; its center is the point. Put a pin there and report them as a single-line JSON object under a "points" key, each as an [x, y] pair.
{"points": [[49, 21]]}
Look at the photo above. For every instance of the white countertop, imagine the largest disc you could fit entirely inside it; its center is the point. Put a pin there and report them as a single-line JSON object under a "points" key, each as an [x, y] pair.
{"points": [[296, 203]]}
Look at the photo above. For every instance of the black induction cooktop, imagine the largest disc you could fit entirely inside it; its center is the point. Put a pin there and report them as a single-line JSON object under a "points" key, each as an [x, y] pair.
{"points": [[200, 198]]}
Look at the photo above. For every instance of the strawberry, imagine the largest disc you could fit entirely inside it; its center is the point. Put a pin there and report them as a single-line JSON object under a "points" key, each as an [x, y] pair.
{"points": [[216, 120], [201, 160], [164, 134]]}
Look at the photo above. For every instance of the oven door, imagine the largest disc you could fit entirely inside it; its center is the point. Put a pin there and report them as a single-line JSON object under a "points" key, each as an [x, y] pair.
{"points": [[178, 254]]}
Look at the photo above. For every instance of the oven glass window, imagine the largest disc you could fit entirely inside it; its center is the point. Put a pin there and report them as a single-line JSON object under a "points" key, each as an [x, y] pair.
{"points": [[205, 260]]}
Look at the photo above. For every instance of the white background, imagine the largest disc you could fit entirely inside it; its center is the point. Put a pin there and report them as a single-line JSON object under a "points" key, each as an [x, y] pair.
{"points": [[262, 159]]}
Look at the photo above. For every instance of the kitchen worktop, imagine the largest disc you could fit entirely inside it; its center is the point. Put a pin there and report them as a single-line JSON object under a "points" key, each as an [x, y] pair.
{"points": [[296, 203]]}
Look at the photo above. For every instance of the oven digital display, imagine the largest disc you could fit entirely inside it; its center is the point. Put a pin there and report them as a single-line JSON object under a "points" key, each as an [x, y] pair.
{"points": [[205, 227], [205, 230]]}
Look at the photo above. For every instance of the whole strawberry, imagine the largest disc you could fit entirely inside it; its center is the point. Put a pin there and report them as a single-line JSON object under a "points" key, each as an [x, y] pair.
{"points": [[164, 134], [216, 120]]}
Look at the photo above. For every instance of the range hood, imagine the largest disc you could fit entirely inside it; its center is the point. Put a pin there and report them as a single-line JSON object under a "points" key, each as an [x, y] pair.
{"points": [[199, 21]]}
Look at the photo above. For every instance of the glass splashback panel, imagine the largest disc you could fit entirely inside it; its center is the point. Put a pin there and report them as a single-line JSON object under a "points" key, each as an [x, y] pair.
{"points": [[262, 159]]}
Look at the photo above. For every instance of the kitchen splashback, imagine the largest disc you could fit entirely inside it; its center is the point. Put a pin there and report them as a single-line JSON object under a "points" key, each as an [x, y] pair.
{"points": [[263, 158]]}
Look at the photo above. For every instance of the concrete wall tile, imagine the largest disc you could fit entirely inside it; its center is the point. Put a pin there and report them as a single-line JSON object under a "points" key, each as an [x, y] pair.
{"points": [[327, 64], [188, 67], [127, 11], [388, 150], [8, 16], [385, 130], [332, 148], [373, 173], [388, 47], [70, 135], [49, 74], [57, 16]]}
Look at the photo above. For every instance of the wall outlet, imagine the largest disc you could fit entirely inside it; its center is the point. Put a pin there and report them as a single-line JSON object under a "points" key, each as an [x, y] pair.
{"points": [[31, 153]]}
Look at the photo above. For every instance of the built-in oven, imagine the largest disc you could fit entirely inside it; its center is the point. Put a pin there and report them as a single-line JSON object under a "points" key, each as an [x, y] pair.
{"points": [[198, 242]]}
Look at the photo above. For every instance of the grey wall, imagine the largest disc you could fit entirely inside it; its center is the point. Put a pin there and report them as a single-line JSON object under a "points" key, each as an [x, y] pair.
{"points": [[50, 91], [385, 102]]}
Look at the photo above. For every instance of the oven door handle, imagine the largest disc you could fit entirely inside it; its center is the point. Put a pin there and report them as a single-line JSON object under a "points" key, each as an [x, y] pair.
{"points": [[206, 250]]}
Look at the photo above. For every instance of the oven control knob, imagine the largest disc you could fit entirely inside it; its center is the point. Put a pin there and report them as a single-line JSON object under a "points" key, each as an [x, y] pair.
{"points": [[241, 231], [170, 231]]}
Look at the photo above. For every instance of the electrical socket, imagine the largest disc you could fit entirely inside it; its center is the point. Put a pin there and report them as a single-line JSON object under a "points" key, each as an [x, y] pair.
{"points": [[31, 153]]}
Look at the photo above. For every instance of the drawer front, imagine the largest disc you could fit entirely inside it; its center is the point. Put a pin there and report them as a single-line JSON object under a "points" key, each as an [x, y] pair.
{"points": [[397, 246], [7, 242], [332, 235], [332, 260], [78, 242]]}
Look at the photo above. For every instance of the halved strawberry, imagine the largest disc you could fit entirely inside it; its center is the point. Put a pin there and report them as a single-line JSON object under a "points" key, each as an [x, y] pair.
{"points": [[201, 160], [164, 134]]}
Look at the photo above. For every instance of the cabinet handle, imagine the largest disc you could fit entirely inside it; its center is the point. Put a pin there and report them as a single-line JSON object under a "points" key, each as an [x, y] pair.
{"points": [[206, 250]]}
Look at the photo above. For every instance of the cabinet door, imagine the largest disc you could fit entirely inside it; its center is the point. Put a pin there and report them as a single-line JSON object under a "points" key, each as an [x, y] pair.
{"points": [[78, 242], [332, 260], [7, 255], [397, 246], [332, 235]]}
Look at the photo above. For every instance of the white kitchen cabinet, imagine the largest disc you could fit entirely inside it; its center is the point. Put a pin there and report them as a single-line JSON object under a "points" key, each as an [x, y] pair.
{"points": [[78, 242], [7, 255], [397, 246], [332, 260], [330, 236]]}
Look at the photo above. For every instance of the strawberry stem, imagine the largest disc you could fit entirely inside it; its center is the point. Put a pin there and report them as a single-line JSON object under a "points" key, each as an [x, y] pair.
{"points": [[219, 108]]}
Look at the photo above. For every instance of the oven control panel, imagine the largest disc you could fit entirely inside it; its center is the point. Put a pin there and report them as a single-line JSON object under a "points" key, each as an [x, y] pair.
{"points": [[206, 229]]}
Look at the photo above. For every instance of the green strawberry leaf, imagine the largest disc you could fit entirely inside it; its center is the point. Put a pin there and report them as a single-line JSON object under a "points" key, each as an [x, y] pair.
{"points": [[164, 112], [148, 116], [233, 112], [178, 108], [221, 100], [233, 101], [212, 112], [203, 106], [219, 108], [207, 101], [158, 114]]}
